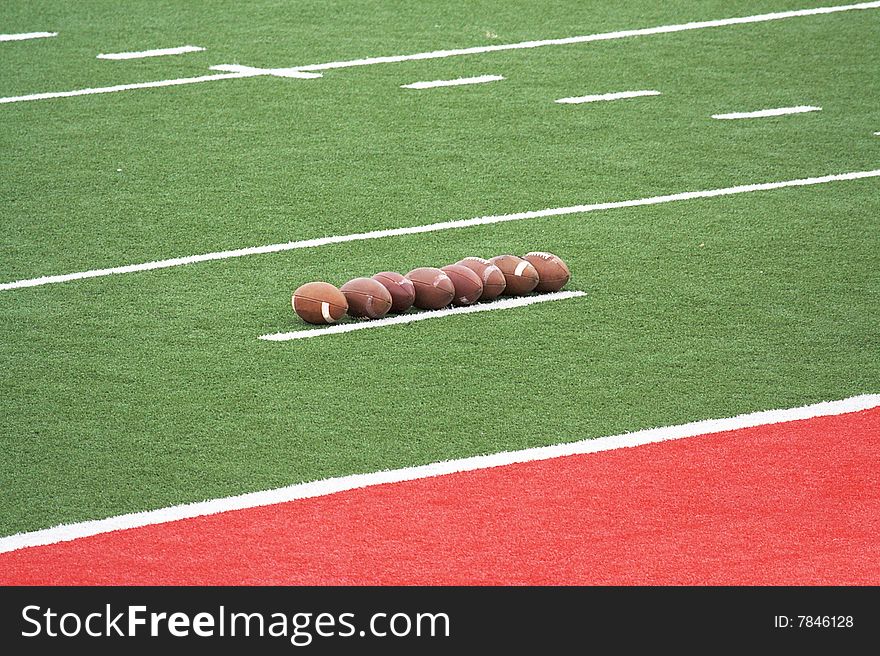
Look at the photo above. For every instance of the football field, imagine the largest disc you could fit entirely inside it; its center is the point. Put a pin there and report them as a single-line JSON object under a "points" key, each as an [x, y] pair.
{"points": [[709, 171]]}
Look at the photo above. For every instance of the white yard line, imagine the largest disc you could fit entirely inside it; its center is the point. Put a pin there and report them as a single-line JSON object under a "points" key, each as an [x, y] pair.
{"points": [[506, 304], [437, 54], [125, 87], [27, 35], [762, 113], [253, 70], [479, 79], [68, 532], [618, 95], [434, 227], [605, 36], [157, 52]]}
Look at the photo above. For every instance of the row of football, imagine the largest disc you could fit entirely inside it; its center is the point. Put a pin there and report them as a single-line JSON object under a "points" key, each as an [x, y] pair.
{"points": [[428, 288]]}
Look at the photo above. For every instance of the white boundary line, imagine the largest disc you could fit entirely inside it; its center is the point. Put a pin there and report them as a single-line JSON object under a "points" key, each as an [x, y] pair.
{"points": [[437, 54], [505, 304], [126, 87], [762, 113], [433, 227], [156, 52], [617, 95], [433, 84], [68, 532], [26, 36]]}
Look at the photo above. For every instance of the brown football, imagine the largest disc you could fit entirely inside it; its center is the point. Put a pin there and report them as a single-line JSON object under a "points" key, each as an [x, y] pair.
{"points": [[434, 289], [553, 273], [520, 275], [468, 286], [319, 302], [492, 277], [401, 288], [366, 298]]}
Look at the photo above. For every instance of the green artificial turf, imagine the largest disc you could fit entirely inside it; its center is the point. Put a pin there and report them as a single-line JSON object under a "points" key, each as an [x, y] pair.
{"points": [[142, 390]]}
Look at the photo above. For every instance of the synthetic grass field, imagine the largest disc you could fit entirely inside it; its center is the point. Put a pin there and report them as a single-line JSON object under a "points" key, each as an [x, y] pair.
{"points": [[147, 389]]}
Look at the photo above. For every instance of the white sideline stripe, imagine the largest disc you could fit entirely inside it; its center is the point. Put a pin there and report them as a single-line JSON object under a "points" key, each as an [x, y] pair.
{"points": [[421, 316], [761, 113], [68, 532], [436, 54], [479, 79], [432, 227], [157, 52], [26, 35], [253, 70], [607, 96], [125, 87]]}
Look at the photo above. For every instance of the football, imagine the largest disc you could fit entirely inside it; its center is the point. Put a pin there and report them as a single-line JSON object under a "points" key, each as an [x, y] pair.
{"points": [[366, 298], [434, 289], [553, 273], [520, 275], [493, 280], [319, 302], [401, 288], [468, 285]]}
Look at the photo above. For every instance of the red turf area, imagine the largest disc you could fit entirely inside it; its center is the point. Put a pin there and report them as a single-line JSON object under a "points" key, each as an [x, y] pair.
{"points": [[787, 504]]}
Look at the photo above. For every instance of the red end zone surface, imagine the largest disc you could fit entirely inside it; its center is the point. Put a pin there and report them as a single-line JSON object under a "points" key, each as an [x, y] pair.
{"points": [[786, 504]]}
